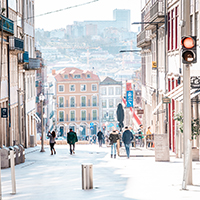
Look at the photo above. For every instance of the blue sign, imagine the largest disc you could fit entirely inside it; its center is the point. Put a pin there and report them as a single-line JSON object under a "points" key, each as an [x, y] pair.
{"points": [[91, 127], [91, 124], [129, 99]]}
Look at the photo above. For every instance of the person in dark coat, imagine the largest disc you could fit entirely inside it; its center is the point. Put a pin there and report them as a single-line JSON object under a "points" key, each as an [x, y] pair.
{"points": [[100, 138], [127, 137], [113, 137], [52, 142], [71, 140], [94, 138]]}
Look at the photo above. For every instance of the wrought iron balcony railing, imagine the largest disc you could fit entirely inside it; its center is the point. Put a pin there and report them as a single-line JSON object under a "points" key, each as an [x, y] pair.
{"points": [[16, 44]]}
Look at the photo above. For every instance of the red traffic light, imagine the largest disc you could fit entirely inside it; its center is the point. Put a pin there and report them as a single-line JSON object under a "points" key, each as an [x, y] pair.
{"points": [[188, 42]]}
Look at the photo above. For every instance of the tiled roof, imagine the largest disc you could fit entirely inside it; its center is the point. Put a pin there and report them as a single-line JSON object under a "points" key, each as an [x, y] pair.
{"points": [[71, 71], [110, 81]]}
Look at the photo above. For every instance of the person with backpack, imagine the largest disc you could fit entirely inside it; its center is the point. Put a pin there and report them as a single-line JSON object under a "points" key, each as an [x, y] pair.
{"points": [[52, 137], [113, 137], [141, 136], [127, 137], [71, 140]]}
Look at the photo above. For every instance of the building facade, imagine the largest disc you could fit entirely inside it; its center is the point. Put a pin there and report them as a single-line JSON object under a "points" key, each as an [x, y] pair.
{"points": [[110, 97], [77, 94], [167, 80]]}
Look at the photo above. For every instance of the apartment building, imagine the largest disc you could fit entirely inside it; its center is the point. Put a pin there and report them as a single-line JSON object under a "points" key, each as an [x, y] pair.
{"points": [[77, 93], [169, 81], [18, 73], [110, 96]]}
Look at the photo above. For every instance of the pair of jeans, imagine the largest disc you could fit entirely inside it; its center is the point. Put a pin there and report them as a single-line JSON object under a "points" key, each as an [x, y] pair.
{"points": [[113, 148], [127, 147], [70, 145], [100, 142]]}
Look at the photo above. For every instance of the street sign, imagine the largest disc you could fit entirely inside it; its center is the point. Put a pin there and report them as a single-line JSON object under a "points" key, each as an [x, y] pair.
{"points": [[195, 82], [91, 127], [129, 99], [91, 124], [140, 112], [154, 65], [166, 100], [4, 112]]}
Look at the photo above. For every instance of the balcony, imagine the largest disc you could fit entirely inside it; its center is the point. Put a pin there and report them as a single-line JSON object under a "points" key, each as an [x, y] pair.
{"points": [[16, 44], [143, 39], [156, 13], [34, 64], [23, 58], [8, 26]]}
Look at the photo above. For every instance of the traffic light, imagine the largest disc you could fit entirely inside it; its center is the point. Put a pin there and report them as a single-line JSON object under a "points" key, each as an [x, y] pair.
{"points": [[189, 50]]}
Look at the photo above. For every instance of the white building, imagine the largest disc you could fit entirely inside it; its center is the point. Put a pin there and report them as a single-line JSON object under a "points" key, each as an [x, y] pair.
{"points": [[110, 96]]}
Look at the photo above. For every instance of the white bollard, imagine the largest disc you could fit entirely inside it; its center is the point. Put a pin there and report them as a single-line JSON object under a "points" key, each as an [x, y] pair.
{"points": [[87, 176], [12, 165]]}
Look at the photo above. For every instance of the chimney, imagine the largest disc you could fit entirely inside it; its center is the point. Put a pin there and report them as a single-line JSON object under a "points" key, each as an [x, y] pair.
{"points": [[53, 72]]}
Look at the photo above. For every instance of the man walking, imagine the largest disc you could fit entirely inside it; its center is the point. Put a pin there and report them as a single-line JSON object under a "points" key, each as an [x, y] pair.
{"points": [[100, 138], [71, 140], [127, 137]]}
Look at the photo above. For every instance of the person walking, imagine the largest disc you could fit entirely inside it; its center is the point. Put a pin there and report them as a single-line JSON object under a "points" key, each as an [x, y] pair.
{"points": [[141, 136], [100, 138], [52, 137], [149, 137], [127, 137], [94, 138], [71, 140], [113, 137]]}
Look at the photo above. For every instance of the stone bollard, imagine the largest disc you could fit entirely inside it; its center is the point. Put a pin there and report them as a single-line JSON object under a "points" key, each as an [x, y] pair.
{"points": [[87, 176]]}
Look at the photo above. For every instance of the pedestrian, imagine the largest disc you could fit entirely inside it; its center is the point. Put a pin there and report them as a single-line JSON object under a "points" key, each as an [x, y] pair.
{"points": [[71, 140], [94, 138], [87, 138], [149, 136], [100, 137], [133, 142], [52, 137], [141, 135], [127, 137], [114, 136]]}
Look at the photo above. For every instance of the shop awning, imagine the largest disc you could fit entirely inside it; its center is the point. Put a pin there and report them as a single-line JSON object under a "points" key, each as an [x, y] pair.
{"points": [[36, 117], [177, 95]]}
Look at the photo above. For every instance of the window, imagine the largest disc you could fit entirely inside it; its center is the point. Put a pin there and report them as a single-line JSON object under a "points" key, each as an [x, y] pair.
{"points": [[94, 115], [72, 101], [117, 91], [61, 116], [61, 88], [111, 103], [169, 30], [104, 115], [72, 88], [77, 76], [111, 115], [83, 88], [110, 91], [88, 76], [72, 115], [172, 29], [65, 76], [118, 101], [83, 101], [94, 87], [176, 27], [104, 103], [103, 91], [94, 101], [83, 115], [61, 102]]}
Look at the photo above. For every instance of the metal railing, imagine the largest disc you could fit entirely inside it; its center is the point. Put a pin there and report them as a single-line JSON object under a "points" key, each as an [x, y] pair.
{"points": [[143, 38], [157, 10], [16, 43]]}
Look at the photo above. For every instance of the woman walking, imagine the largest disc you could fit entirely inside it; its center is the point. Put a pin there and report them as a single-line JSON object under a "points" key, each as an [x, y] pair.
{"points": [[52, 142], [114, 136]]}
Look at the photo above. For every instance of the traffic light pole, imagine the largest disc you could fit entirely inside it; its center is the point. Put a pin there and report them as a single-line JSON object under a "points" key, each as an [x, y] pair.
{"points": [[187, 176]]}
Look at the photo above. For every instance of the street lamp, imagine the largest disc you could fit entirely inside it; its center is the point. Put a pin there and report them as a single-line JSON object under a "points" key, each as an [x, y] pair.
{"points": [[41, 98]]}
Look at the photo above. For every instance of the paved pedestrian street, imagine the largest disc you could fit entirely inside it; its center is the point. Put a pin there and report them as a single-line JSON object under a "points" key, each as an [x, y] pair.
{"points": [[58, 177]]}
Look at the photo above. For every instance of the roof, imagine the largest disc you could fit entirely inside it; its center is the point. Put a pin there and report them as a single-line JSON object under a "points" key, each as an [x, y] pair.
{"points": [[71, 71], [110, 81]]}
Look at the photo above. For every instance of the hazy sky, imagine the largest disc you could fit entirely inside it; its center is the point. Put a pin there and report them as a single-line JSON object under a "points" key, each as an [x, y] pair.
{"points": [[100, 10]]}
